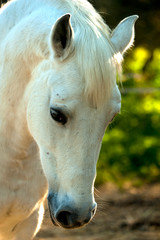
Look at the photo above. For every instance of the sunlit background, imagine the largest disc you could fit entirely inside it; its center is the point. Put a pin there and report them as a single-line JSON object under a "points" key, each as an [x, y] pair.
{"points": [[131, 145]]}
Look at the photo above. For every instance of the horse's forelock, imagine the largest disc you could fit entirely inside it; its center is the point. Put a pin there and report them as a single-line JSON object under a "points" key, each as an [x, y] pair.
{"points": [[98, 67], [94, 52]]}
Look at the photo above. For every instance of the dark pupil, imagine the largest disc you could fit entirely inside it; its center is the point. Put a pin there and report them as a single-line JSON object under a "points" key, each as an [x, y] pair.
{"points": [[58, 116]]}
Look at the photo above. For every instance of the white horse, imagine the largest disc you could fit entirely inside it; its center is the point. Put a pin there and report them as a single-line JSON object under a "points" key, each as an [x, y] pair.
{"points": [[58, 93]]}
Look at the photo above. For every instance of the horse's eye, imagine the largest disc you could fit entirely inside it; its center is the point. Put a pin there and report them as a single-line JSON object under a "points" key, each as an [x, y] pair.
{"points": [[58, 116]]}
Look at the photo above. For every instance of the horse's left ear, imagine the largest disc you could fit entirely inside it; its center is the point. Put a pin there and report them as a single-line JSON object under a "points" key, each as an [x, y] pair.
{"points": [[61, 36], [122, 36]]}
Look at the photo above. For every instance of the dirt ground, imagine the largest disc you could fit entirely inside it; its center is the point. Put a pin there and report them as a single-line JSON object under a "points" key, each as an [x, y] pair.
{"points": [[131, 214]]}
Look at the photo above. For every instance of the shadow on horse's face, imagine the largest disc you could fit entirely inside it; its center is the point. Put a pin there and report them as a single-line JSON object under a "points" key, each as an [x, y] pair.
{"points": [[68, 132]]}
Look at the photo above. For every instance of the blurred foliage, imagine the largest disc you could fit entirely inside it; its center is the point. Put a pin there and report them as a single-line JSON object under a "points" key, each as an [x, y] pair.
{"points": [[131, 145]]}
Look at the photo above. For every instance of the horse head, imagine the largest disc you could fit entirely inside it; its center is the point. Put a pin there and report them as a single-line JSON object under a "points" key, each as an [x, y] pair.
{"points": [[67, 127]]}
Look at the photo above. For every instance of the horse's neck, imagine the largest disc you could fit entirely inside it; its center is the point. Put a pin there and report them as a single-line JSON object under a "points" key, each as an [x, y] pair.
{"points": [[21, 49], [16, 143], [15, 73], [12, 14], [15, 140]]}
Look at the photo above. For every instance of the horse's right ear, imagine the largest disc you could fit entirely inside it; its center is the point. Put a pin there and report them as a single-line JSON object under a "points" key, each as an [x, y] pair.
{"points": [[123, 35], [61, 36]]}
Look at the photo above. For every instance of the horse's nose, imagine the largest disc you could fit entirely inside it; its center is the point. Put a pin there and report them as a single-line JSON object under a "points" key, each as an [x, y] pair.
{"points": [[68, 218]]}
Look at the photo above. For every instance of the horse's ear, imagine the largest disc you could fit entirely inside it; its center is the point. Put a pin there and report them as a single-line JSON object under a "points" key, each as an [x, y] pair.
{"points": [[122, 36], [61, 35]]}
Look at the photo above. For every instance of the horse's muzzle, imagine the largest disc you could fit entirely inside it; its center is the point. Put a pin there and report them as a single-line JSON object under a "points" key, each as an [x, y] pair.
{"points": [[70, 217]]}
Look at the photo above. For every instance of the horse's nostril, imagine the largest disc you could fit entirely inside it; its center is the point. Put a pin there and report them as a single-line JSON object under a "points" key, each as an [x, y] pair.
{"points": [[87, 220], [93, 211], [69, 218], [64, 218]]}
